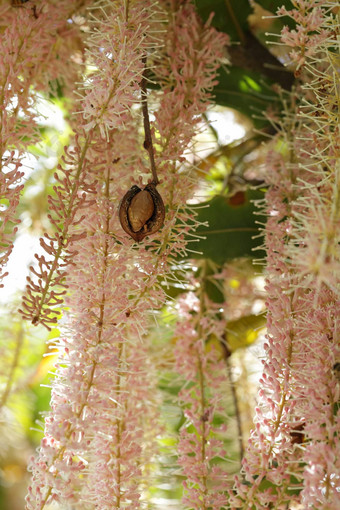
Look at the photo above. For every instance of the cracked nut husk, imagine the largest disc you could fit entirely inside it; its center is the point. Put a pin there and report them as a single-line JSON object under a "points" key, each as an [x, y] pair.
{"points": [[141, 212]]}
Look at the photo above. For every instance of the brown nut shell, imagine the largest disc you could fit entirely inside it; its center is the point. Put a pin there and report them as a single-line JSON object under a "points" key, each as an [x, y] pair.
{"points": [[136, 211]]}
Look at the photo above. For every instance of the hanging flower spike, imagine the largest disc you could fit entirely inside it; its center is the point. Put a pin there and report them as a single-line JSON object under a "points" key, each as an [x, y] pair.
{"points": [[100, 362], [73, 194], [187, 71], [26, 39], [205, 375], [45, 292], [192, 55], [125, 33], [294, 441], [10, 190], [87, 457], [317, 232]]}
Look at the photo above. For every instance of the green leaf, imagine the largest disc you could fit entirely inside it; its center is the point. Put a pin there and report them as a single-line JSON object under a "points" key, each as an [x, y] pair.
{"points": [[274, 5], [279, 22], [231, 229], [222, 20], [209, 284], [248, 92]]}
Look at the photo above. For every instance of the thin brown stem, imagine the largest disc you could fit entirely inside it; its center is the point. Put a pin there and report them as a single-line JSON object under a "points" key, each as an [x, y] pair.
{"points": [[235, 21], [203, 431], [147, 131], [14, 366], [237, 409]]}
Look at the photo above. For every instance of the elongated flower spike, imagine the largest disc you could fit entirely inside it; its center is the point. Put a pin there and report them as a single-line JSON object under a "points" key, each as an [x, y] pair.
{"points": [[299, 388], [93, 453], [10, 190], [29, 60], [203, 370]]}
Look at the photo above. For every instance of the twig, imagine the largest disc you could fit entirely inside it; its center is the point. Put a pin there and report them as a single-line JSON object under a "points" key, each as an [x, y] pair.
{"points": [[14, 366], [235, 22], [252, 56], [237, 409], [211, 127], [147, 131]]}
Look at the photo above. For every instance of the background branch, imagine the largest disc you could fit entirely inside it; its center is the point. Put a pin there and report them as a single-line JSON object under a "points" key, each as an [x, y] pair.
{"points": [[251, 55]]}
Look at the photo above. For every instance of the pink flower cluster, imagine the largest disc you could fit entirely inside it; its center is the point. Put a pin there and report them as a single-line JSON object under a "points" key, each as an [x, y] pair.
{"points": [[73, 194], [200, 449], [294, 448], [114, 84], [186, 67], [93, 446], [10, 189], [271, 453], [28, 42], [97, 433], [191, 56], [119, 41], [318, 397], [309, 33]]}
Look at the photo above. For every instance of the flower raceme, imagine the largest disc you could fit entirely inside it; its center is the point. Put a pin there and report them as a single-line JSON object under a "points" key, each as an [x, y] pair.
{"points": [[10, 189], [73, 193], [46, 288], [95, 446], [28, 47], [204, 373], [293, 450]]}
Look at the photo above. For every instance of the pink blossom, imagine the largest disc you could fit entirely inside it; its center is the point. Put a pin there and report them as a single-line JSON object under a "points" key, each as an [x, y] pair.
{"points": [[204, 375], [294, 436], [97, 434], [10, 189], [100, 403], [309, 34], [118, 43], [190, 48], [25, 61], [45, 290]]}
